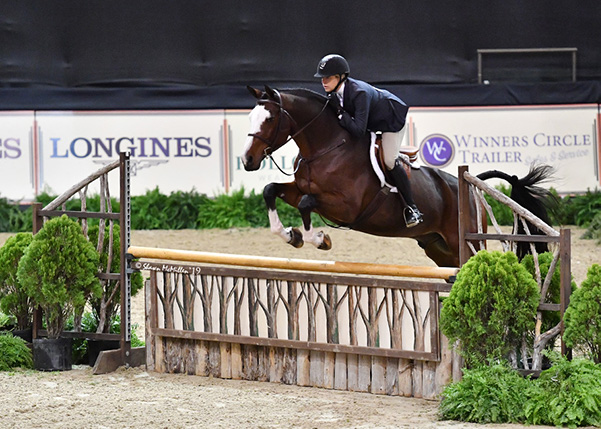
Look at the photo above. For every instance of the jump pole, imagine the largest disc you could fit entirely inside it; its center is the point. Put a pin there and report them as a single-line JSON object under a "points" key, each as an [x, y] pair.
{"points": [[293, 264]]}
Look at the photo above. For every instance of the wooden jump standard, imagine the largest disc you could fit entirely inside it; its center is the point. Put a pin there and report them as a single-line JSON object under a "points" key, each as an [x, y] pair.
{"points": [[443, 273]]}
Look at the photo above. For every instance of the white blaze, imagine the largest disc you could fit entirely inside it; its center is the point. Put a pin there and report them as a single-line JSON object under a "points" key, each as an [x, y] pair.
{"points": [[257, 116]]}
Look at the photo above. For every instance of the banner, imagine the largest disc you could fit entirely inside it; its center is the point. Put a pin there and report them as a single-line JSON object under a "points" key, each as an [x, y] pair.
{"points": [[511, 139], [171, 150], [202, 150], [17, 155]]}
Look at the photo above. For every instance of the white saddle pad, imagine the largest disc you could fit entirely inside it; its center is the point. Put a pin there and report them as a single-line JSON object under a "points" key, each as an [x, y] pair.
{"points": [[376, 165]]}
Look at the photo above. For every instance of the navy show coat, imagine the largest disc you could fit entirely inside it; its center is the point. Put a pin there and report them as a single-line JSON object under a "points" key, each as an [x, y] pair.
{"points": [[367, 108]]}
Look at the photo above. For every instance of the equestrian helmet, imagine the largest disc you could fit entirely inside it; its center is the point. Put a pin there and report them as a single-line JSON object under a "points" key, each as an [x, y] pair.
{"points": [[331, 65]]}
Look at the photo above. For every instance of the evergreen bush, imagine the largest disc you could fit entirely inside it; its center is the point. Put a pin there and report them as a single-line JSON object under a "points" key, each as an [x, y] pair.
{"points": [[14, 299], [582, 318], [14, 353], [491, 304], [58, 270]]}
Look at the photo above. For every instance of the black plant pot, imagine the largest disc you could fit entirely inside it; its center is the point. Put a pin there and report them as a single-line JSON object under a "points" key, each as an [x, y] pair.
{"points": [[96, 346], [52, 354], [25, 334]]}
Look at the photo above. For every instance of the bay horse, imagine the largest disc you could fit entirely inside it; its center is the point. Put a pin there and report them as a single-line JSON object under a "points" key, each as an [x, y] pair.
{"points": [[333, 177]]}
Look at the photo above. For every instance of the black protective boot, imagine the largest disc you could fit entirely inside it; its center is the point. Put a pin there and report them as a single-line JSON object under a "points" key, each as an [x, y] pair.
{"points": [[411, 213], [412, 216]]}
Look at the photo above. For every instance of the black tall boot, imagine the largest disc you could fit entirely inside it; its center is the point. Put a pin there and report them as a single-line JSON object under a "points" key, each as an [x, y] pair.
{"points": [[399, 176]]}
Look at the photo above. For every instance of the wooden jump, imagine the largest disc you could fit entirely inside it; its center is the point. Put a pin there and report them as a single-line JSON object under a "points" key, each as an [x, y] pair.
{"points": [[294, 264]]}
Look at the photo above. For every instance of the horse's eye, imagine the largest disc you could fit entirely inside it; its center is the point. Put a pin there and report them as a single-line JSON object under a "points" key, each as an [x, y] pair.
{"points": [[270, 119]]}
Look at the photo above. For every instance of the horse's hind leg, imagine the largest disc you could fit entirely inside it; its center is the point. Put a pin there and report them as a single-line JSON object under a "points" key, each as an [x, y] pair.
{"points": [[438, 250], [288, 192], [320, 240]]}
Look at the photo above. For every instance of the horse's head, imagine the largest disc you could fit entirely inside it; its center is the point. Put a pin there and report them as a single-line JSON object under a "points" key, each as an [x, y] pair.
{"points": [[270, 126]]}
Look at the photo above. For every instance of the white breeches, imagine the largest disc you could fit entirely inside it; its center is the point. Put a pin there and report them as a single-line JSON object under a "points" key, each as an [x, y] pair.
{"points": [[391, 145]]}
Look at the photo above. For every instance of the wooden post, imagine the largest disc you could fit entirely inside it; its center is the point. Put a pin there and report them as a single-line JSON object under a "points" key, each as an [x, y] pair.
{"points": [[464, 215], [38, 222], [565, 268]]}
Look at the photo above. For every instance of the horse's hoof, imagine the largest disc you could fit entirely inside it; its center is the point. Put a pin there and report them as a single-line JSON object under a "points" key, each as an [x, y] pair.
{"points": [[326, 243], [296, 238]]}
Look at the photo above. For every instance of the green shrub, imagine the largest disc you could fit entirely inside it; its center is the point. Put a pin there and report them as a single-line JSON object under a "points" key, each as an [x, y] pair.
{"points": [[583, 316], [567, 394], [14, 353], [12, 218], [7, 321], [593, 231], [491, 304], [154, 210], [486, 394], [224, 211], [13, 297], [578, 209], [58, 270]]}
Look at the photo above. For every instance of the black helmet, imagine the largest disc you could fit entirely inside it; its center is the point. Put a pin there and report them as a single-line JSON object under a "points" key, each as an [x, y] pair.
{"points": [[331, 65]]}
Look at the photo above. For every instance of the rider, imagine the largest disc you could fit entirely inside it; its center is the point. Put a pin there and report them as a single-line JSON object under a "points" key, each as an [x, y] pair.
{"points": [[362, 107]]}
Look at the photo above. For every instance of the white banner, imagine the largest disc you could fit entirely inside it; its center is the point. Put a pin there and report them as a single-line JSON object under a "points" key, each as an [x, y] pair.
{"points": [[186, 150], [510, 139], [174, 151], [17, 155]]}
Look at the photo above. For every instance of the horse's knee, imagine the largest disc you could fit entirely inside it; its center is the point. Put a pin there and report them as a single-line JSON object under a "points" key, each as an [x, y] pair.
{"points": [[307, 203], [269, 194]]}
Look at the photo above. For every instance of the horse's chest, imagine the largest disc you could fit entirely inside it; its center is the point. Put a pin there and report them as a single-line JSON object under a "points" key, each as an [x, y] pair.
{"points": [[312, 185]]}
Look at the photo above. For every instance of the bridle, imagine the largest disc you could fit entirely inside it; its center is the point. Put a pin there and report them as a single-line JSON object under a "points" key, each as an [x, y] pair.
{"points": [[282, 111]]}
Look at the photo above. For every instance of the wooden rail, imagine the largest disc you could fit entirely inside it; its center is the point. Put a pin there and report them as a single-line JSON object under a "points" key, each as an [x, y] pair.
{"points": [[443, 273]]}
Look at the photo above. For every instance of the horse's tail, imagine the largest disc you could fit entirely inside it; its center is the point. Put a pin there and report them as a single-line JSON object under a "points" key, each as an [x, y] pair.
{"points": [[526, 192]]}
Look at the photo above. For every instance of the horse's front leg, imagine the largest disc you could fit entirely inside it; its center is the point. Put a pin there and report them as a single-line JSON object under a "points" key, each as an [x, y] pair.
{"points": [[290, 194], [320, 240]]}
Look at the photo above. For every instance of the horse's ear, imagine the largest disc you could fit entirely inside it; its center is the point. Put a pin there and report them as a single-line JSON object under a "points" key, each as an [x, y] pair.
{"points": [[270, 92], [273, 94], [257, 93]]}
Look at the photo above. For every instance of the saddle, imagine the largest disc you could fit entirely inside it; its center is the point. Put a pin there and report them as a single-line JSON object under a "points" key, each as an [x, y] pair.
{"points": [[407, 154]]}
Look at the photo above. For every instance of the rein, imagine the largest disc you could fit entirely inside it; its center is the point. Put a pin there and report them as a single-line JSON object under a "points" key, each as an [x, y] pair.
{"points": [[267, 152]]}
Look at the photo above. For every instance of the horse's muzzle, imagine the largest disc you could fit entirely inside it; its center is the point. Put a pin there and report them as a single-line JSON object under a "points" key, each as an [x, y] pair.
{"points": [[250, 164]]}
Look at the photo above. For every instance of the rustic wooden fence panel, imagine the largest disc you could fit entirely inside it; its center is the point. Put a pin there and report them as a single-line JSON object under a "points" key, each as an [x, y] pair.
{"points": [[359, 333]]}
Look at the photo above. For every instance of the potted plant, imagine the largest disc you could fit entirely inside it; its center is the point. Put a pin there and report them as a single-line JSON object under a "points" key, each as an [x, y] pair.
{"points": [[58, 270], [14, 300], [106, 307]]}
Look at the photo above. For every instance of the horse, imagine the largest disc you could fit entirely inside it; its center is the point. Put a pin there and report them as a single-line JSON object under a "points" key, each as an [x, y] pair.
{"points": [[333, 177]]}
